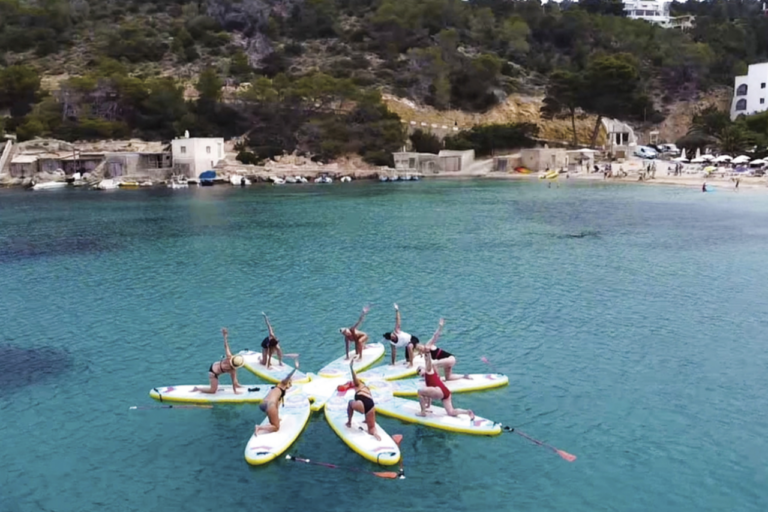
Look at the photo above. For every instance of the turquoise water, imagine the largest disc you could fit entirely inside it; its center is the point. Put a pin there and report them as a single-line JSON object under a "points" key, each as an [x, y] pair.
{"points": [[631, 321]]}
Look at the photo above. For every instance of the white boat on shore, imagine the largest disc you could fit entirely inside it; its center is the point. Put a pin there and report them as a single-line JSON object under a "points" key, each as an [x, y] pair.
{"points": [[107, 184], [277, 180], [345, 179], [291, 179], [323, 179], [49, 185], [239, 181], [178, 182]]}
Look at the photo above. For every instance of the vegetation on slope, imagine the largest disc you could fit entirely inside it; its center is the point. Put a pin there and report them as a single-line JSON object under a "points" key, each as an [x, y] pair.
{"points": [[314, 64]]}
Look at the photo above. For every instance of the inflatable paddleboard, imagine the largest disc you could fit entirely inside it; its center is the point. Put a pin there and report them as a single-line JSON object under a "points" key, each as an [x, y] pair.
{"points": [[340, 367], [320, 389], [399, 370], [275, 373], [224, 394], [384, 452], [405, 410], [294, 416], [476, 382]]}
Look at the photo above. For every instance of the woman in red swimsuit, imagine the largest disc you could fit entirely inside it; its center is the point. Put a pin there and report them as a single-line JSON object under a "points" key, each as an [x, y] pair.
{"points": [[434, 389]]}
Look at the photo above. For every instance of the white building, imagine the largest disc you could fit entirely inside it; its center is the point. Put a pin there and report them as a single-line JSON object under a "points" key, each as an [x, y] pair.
{"points": [[750, 92], [193, 156], [656, 11]]}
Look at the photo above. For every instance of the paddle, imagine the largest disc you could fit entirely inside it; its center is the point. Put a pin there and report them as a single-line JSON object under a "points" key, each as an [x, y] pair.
{"points": [[136, 407], [565, 455], [381, 474], [486, 361]]}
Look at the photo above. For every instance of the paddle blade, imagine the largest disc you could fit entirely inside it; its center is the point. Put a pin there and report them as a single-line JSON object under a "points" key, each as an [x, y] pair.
{"points": [[484, 359], [397, 438], [567, 456], [387, 474]]}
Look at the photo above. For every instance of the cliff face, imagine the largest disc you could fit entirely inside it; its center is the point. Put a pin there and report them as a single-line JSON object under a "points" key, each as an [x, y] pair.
{"points": [[680, 114], [516, 109]]}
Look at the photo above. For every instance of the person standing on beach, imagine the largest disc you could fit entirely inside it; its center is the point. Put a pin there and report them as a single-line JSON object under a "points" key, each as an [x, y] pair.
{"points": [[399, 338], [359, 338], [737, 184]]}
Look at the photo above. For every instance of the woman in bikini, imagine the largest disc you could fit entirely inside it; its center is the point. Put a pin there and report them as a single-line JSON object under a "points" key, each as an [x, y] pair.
{"points": [[359, 338], [363, 403], [228, 364], [272, 402], [441, 358], [269, 345], [434, 389], [398, 338]]}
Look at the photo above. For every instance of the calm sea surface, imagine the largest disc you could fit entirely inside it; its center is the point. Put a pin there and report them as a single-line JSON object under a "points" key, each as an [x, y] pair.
{"points": [[631, 321]]}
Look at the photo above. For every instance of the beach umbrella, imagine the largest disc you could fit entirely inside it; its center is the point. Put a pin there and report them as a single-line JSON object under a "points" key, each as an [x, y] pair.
{"points": [[723, 158], [741, 159], [680, 159], [698, 154], [682, 155], [707, 157], [698, 160], [759, 161]]}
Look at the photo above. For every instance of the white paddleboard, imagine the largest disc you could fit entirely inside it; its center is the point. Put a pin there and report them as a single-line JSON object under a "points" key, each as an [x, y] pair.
{"points": [[275, 373], [294, 416], [320, 389], [340, 367], [399, 370], [223, 394], [405, 410], [475, 382], [384, 452]]}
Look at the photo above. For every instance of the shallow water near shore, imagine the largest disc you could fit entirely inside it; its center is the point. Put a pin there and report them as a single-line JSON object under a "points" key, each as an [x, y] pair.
{"points": [[631, 321]]}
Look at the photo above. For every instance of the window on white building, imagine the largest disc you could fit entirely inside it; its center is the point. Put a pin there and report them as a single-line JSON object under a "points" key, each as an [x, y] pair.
{"points": [[183, 149], [208, 149], [741, 105], [762, 100], [741, 90], [762, 85]]}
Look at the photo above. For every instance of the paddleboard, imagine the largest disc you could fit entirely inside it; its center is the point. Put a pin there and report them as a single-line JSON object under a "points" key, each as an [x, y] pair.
{"points": [[399, 370], [340, 367], [476, 382], [223, 394], [384, 452], [275, 373], [320, 389], [405, 410], [294, 416]]}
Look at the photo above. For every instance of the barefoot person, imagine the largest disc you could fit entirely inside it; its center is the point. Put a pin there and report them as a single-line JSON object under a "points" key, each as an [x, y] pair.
{"points": [[228, 364], [270, 345], [363, 403], [434, 389], [398, 338], [441, 358], [271, 404], [359, 338]]}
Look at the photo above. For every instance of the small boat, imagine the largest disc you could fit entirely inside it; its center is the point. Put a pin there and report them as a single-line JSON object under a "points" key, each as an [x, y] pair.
{"points": [[239, 181], [178, 182], [276, 180], [291, 179], [206, 178], [323, 179], [383, 178], [128, 184], [107, 184], [301, 179], [146, 184], [49, 185], [345, 179]]}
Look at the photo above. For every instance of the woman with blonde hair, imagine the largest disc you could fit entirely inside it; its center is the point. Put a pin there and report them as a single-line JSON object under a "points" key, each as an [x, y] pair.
{"points": [[228, 364], [272, 402]]}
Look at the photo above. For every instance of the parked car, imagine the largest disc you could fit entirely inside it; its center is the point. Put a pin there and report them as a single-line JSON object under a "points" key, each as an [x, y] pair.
{"points": [[646, 152], [670, 149]]}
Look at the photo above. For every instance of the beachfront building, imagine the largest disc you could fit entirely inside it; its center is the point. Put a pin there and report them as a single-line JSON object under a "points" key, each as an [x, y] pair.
{"points": [[542, 159], [620, 137], [456, 161], [750, 91], [416, 163], [193, 156]]}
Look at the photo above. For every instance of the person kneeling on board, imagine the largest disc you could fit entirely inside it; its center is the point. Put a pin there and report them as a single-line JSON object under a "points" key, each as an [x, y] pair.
{"points": [[363, 403], [228, 364], [398, 338], [441, 358], [269, 345], [434, 389], [271, 403], [359, 338]]}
